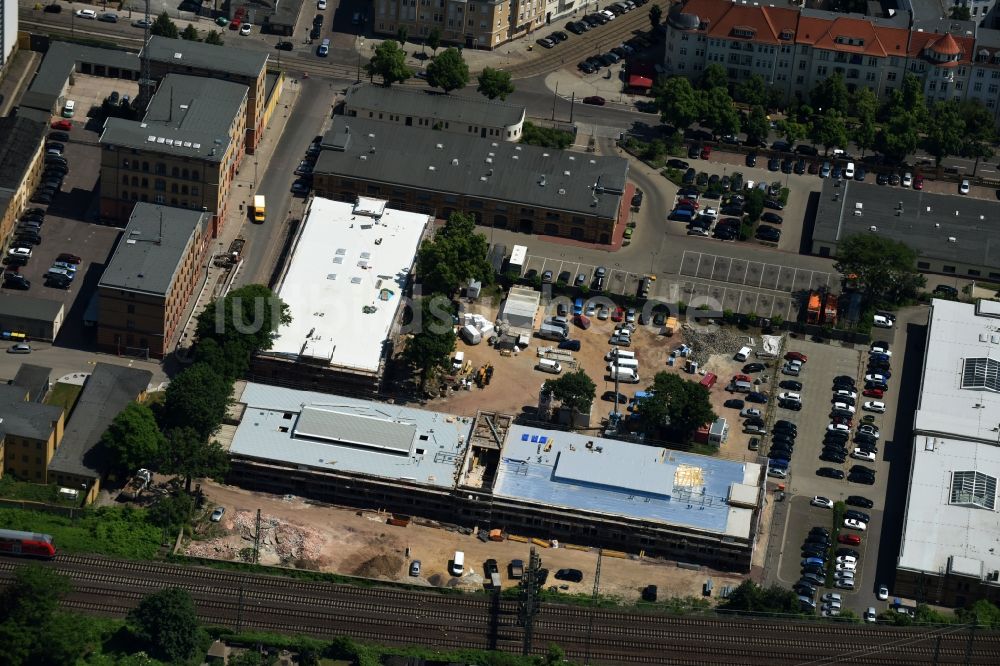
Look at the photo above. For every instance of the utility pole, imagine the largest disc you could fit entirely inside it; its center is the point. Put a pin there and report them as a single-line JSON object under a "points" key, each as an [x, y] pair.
{"points": [[555, 96], [528, 605], [593, 602], [256, 541]]}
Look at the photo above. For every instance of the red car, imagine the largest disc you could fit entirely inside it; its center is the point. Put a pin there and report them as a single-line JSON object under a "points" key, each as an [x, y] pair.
{"points": [[872, 393], [918, 182], [64, 125], [796, 356], [706, 152], [742, 378], [69, 258], [849, 539], [691, 203], [618, 315]]}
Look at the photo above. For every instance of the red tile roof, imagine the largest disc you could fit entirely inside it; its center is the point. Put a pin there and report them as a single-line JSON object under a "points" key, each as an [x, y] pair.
{"points": [[945, 44], [767, 23], [851, 35]]}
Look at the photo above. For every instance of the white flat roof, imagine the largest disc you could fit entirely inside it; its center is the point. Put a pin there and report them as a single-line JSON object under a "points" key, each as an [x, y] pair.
{"points": [[949, 523], [349, 257], [957, 333], [935, 529]]}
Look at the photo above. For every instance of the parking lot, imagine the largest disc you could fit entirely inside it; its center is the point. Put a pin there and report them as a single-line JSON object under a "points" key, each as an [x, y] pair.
{"points": [[618, 281], [754, 274]]}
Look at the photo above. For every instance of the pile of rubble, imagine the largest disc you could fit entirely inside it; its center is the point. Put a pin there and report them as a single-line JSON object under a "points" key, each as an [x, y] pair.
{"points": [[280, 542], [706, 341]]}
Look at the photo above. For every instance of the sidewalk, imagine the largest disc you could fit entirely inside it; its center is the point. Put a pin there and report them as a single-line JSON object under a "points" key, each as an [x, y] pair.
{"points": [[217, 280]]}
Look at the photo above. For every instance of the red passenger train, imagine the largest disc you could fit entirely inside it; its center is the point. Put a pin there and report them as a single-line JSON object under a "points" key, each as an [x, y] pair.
{"points": [[28, 544]]}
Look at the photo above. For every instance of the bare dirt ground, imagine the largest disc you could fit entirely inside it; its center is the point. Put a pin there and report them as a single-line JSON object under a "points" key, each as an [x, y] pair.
{"points": [[360, 543]]}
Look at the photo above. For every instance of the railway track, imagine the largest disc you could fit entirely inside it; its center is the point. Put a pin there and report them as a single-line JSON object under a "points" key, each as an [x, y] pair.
{"points": [[408, 617]]}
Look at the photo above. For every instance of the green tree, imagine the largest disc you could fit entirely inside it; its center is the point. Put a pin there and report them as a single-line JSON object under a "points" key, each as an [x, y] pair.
{"points": [[885, 267], [494, 83], [792, 131], [189, 456], [679, 103], [133, 439], [900, 135], [831, 93], [754, 205], [190, 33], [960, 13], [249, 317], [713, 76], [756, 125], [907, 99], [448, 71], [829, 130], [752, 91], [434, 39], [980, 133], [945, 131], [548, 137], [213, 37], [167, 624], [575, 390], [229, 359], [655, 16], [198, 397], [389, 62], [750, 597], [676, 406], [718, 112], [865, 110], [982, 614], [429, 348], [402, 34], [163, 26], [172, 512], [456, 253]]}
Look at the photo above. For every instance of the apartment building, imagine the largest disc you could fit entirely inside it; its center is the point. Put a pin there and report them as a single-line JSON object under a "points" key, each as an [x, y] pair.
{"points": [[21, 151], [225, 63], [8, 33], [794, 50], [475, 24], [184, 153], [144, 292], [499, 183], [30, 434]]}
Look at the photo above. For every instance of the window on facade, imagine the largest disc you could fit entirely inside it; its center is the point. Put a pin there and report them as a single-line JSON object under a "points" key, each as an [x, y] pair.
{"points": [[124, 180], [923, 265], [175, 172], [160, 185], [173, 188], [947, 269], [161, 169]]}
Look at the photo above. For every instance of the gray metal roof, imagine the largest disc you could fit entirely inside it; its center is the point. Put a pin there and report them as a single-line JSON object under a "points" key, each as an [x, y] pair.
{"points": [[61, 60], [25, 419], [927, 222], [20, 139], [108, 390], [21, 306], [334, 433], [188, 116], [152, 249], [225, 59], [611, 477], [34, 379], [462, 165], [476, 110]]}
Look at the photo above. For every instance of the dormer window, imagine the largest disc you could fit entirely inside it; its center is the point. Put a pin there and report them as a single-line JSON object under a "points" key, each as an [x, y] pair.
{"points": [[787, 35], [744, 32], [850, 41]]}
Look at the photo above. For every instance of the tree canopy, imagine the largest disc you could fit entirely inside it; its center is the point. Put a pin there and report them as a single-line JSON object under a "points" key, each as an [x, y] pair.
{"points": [[213, 37], [713, 76], [164, 27], [750, 597], [754, 205], [429, 348], [434, 39], [495, 83], [831, 93], [752, 91], [456, 253], [865, 110], [575, 390], [756, 125], [718, 112], [188, 455], [133, 440], [448, 71], [167, 624], [886, 268], [829, 130], [389, 62], [675, 406], [945, 131], [198, 398], [247, 318], [655, 16], [679, 103], [190, 33]]}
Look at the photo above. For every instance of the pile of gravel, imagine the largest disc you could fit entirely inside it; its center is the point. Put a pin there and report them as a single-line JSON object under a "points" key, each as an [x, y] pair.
{"points": [[707, 341]]}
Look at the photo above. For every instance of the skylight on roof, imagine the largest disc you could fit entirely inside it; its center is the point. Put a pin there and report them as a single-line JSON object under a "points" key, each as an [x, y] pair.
{"points": [[971, 488], [980, 374]]}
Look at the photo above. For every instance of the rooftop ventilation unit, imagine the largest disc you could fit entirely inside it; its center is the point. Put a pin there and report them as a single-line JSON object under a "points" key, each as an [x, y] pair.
{"points": [[952, 239], [873, 229], [489, 160], [431, 168], [541, 181], [454, 161], [439, 146], [565, 173]]}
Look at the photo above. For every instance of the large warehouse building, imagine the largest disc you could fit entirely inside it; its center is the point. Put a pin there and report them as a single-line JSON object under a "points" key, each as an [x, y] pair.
{"points": [[949, 553], [343, 285], [490, 473]]}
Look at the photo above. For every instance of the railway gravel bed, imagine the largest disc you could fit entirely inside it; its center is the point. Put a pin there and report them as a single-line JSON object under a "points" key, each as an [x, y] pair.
{"points": [[401, 617]]}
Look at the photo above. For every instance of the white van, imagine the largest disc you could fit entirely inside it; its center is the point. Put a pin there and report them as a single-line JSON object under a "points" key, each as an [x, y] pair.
{"points": [[743, 354], [548, 365], [849, 171], [457, 564], [627, 375], [623, 363], [619, 354], [69, 109]]}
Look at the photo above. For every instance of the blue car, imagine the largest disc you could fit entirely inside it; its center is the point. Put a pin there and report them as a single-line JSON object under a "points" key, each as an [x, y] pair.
{"points": [[756, 396], [780, 463], [578, 306], [819, 561]]}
